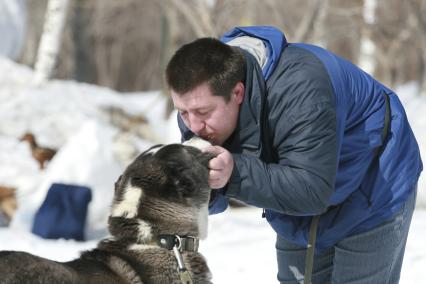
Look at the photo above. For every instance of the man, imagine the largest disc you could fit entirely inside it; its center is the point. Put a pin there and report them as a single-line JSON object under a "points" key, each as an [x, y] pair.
{"points": [[324, 148]]}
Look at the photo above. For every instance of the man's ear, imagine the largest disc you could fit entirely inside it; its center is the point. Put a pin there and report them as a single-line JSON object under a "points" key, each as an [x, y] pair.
{"points": [[238, 92]]}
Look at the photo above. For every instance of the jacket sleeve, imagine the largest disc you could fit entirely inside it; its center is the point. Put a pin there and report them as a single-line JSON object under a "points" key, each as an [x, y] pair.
{"points": [[184, 131], [302, 128], [218, 201]]}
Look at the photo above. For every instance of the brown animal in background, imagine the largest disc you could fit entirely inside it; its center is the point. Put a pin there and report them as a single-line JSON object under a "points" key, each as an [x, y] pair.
{"points": [[8, 201], [41, 154]]}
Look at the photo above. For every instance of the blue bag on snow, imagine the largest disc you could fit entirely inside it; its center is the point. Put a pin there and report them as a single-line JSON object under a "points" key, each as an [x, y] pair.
{"points": [[63, 212]]}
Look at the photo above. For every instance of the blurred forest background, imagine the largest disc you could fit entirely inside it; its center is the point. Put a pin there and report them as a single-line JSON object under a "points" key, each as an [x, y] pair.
{"points": [[126, 44]]}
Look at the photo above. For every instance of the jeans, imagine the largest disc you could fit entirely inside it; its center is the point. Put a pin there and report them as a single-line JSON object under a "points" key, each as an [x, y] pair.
{"points": [[374, 256]]}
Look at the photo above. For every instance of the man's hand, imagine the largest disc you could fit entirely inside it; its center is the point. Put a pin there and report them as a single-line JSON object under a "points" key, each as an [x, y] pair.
{"points": [[220, 167]]}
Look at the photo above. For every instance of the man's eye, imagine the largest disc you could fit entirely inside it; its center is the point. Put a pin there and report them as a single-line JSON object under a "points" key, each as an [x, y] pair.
{"points": [[204, 112]]}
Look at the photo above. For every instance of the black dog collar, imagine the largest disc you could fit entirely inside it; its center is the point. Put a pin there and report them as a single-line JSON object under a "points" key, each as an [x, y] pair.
{"points": [[183, 243]]}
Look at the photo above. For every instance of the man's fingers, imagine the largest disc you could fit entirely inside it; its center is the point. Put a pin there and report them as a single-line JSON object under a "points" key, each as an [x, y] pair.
{"points": [[216, 150], [215, 184], [220, 167], [216, 164], [215, 179], [215, 175]]}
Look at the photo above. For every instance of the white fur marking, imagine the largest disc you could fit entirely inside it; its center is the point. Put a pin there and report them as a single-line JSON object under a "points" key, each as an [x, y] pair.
{"points": [[128, 207], [138, 247], [144, 231], [197, 142]]}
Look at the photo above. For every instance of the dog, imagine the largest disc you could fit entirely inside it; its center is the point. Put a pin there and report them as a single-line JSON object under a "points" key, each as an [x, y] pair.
{"points": [[158, 214]]}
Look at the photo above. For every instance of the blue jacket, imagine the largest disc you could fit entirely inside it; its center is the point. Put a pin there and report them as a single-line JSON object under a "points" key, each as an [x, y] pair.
{"points": [[308, 130]]}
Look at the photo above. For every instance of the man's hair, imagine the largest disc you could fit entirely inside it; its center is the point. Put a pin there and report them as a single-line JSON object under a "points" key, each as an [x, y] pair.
{"points": [[206, 60]]}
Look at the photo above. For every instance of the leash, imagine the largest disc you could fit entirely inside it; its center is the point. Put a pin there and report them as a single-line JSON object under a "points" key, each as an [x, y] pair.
{"points": [[179, 244], [309, 262]]}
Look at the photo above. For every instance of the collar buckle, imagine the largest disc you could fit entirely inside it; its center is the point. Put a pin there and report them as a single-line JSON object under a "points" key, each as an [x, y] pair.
{"points": [[182, 243]]}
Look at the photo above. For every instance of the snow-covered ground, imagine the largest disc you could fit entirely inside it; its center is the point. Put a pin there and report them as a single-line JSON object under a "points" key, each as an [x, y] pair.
{"points": [[93, 150]]}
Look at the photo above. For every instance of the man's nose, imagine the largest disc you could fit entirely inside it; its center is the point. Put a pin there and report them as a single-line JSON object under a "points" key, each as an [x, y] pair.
{"points": [[196, 124]]}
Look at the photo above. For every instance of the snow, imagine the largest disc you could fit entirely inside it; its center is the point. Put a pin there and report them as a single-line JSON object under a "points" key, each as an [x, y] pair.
{"points": [[73, 117]]}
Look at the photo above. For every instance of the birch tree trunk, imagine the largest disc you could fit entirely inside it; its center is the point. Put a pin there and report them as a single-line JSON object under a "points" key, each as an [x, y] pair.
{"points": [[367, 47], [50, 40]]}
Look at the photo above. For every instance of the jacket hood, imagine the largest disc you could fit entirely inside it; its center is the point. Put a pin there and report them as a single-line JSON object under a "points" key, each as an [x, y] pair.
{"points": [[273, 39]]}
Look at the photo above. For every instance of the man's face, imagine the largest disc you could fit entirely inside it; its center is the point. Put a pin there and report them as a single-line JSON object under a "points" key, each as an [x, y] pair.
{"points": [[209, 116]]}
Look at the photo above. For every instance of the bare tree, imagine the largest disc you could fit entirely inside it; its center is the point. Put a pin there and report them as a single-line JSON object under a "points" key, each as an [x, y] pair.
{"points": [[126, 44], [417, 22], [367, 58], [198, 15], [83, 41], [308, 20], [320, 27], [122, 41], [391, 33], [50, 39]]}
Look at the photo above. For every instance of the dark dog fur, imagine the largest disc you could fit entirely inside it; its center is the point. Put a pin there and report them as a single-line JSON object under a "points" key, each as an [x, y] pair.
{"points": [[164, 191]]}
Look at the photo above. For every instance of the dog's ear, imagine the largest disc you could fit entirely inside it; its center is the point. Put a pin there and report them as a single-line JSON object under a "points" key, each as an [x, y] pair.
{"points": [[188, 173], [117, 183], [205, 157], [202, 157]]}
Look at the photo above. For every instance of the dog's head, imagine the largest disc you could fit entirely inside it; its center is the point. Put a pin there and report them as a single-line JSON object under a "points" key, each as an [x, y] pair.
{"points": [[163, 191]]}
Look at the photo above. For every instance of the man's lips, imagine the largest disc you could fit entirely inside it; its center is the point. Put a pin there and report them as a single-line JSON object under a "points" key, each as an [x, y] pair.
{"points": [[207, 137]]}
